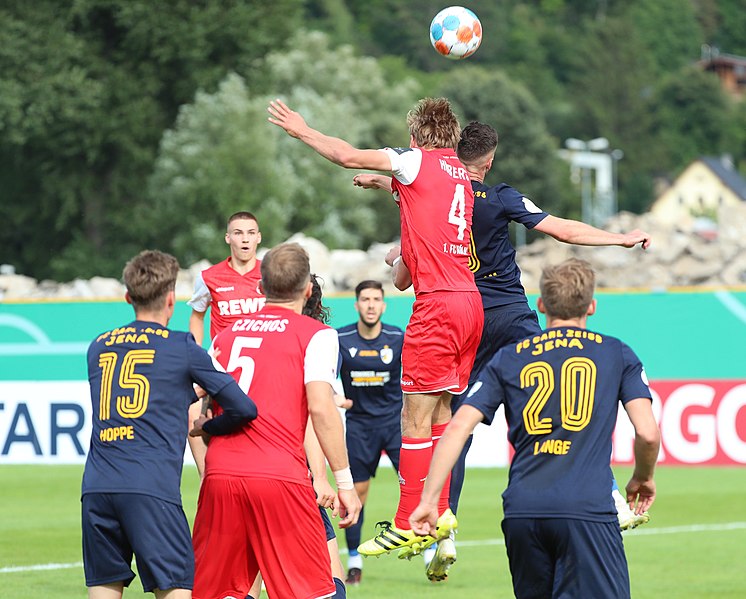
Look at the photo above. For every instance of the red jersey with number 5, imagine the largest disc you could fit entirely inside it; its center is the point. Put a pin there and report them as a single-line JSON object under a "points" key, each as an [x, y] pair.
{"points": [[272, 354], [436, 201]]}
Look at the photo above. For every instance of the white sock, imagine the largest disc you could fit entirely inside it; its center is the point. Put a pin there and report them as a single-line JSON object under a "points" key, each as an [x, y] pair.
{"points": [[355, 561], [429, 553]]}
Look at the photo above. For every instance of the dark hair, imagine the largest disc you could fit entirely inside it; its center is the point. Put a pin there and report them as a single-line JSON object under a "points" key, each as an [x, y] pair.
{"points": [[149, 277], [314, 308], [243, 215], [478, 140], [368, 284], [285, 272]]}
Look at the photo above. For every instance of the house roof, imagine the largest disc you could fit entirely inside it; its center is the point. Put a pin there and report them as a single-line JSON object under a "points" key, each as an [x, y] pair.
{"points": [[728, 176]]}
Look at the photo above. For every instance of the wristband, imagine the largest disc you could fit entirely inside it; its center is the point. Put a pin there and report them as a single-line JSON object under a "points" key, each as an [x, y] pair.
{"points": [[396, 261], [343, 478]]}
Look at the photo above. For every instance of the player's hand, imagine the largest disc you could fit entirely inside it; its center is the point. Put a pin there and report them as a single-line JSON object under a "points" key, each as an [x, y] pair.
{"points": [[424, 519], [197, 430], [640, 494], [350, 506], [366, 180], [342, 401], [325, 495], [287, 119], [632, 238], [392, 255]]}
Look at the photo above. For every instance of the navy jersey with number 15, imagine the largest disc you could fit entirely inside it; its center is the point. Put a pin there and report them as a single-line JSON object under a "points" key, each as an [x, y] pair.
{"points": [[561, 390], [141, 377]]}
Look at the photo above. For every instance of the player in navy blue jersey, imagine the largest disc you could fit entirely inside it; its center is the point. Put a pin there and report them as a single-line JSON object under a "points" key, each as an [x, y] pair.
{"points": [[561, 390], [141, 377], [370, 370]]}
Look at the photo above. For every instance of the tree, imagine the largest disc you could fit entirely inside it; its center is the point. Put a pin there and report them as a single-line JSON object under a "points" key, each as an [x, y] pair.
{"points": [[526, 156], [223, 155]]}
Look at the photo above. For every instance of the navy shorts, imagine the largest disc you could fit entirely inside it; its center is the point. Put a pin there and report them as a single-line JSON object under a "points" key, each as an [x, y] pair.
{"points": [[116, 525], [330, 534], [560, 557], [365, 444]]}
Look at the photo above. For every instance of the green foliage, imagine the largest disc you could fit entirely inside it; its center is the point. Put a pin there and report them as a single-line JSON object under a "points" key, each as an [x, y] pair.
{"points": [[526, 154], [223, 155], [691, 116]]}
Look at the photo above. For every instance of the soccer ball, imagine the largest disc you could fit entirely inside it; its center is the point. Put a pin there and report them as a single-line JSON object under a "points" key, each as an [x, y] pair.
{"points": [[456, 32]]}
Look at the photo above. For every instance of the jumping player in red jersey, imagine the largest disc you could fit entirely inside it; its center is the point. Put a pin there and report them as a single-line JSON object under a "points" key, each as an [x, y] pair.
{"points": [[230, 290], [434, 194], [257, 509]]}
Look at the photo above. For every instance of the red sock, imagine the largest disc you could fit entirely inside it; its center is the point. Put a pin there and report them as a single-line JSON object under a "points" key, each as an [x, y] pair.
{"points": [[445, 494], [414, 462]]}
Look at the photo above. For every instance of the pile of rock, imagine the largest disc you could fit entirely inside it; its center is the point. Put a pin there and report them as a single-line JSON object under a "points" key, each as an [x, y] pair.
{"points": [[693, 252]]}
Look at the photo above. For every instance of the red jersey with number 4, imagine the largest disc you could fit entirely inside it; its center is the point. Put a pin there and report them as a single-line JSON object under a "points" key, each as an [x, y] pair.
{"points": [[436, 202], [272, 354], [229, 294]]}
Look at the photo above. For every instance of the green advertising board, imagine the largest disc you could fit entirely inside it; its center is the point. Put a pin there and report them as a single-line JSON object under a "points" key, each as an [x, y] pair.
{"points": [[678, 335]]}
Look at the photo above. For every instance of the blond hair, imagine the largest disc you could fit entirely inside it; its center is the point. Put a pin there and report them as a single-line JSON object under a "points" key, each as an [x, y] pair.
{"points": [[567, 289], [149, 277], [433, 124], [286, 272]]}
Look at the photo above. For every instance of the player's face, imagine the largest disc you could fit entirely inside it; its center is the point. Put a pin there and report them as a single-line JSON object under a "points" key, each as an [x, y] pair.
{"points": [[243, 237], [370, 306]]}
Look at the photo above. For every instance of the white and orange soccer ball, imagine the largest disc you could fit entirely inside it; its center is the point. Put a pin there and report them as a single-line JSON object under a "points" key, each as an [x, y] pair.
{"points": [[456, 32]]}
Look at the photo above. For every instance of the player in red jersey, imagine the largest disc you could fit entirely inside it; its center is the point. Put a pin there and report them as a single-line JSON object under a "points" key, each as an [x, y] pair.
{"points": [[230, 290], [435, 198], [257, 509]]}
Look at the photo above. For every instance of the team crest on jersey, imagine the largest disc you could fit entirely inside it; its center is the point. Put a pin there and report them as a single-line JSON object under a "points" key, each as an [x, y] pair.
{"points": [[353, 352], [387, 354]]}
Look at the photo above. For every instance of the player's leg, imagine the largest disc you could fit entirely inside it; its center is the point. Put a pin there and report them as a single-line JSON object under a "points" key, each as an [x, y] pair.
{"points": [[107, 553], [353, 535], [591, 561], [106, 591], [530, 558], [292, 565], [173, 594]]}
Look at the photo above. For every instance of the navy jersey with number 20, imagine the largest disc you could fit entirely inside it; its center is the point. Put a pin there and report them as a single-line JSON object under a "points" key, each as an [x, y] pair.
{"points": [[561, 390]]}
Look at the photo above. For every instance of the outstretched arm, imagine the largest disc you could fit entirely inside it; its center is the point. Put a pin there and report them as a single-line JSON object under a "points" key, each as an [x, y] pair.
{"points": [[333, 149], [372, 181], [575, 232]]}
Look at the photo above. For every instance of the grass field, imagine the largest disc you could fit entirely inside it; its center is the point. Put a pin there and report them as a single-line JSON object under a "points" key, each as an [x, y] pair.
{"points": [[695, 546]]}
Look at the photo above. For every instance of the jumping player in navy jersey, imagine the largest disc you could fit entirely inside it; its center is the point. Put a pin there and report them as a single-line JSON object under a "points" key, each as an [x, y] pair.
{"points": [[141, 376], [561, 390], [370, 370]]}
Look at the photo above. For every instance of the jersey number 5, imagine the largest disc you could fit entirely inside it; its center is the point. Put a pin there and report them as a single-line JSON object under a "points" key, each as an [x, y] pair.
{"points": [[127, 406], [244, 362], [456, 215], [577, 393]]}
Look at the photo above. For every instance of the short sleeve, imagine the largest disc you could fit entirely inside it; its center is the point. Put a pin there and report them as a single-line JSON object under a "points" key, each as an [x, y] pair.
{"points": [[322, 353], [487, 394], [521, 209], [405, 163], [634, 380], [201, 297]]}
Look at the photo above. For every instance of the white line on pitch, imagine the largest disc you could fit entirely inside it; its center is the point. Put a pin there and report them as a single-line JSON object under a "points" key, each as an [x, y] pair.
{"points": [[647, 531]]}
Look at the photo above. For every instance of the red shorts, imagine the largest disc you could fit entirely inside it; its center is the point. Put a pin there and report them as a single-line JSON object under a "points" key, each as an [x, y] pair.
{"points": [[441, 342], [244, 525]]}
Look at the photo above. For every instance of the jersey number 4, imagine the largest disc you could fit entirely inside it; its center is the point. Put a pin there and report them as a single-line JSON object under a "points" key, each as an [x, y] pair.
{"points": [[457, 213], [577, 393]]}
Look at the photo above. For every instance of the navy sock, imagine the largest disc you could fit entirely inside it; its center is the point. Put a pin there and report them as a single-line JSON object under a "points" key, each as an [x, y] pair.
{"points": [[354, 532], [457, 476]]}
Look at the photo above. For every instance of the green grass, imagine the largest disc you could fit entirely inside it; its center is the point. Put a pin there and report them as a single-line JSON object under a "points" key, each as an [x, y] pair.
{"points": [[685, 552]]}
